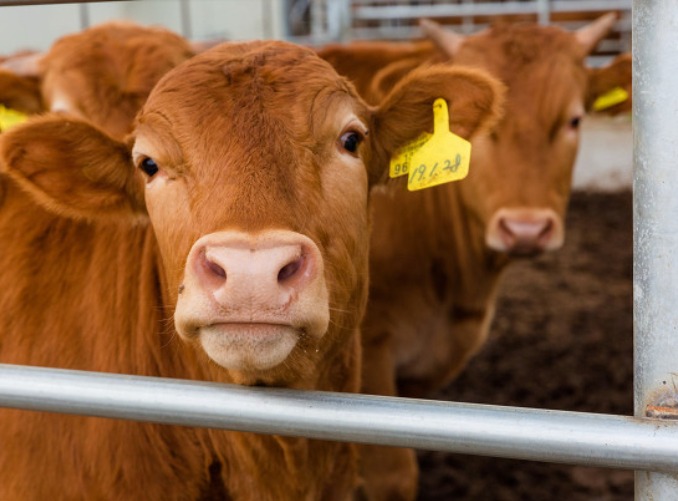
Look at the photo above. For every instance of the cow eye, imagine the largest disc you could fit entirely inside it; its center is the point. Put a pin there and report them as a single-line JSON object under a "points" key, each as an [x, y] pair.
{"points": [[149, 166], [350, 141], [575, 122]]}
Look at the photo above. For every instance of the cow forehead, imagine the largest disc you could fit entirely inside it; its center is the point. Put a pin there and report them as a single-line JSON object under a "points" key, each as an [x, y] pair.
{"points": [[263, 99], [542, 67], [259, 123], [512, 51], [275, 79]]}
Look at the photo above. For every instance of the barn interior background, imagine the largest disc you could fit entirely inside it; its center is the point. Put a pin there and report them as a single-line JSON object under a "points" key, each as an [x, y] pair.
{"points": [[563, 336], [26, 24]]}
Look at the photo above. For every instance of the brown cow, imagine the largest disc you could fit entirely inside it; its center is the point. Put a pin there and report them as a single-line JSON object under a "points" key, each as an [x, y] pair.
{"points": [[104, 73], [246, 221], [437, 255]]}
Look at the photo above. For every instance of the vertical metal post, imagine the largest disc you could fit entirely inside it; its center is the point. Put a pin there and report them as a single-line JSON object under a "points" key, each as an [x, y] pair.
{"points": [[186, 23], [318, 19], [544, 12], [655, 211], [84, 16], [467, 21]]}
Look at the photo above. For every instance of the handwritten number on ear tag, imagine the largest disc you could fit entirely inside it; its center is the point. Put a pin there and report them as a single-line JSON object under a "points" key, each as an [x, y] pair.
{"points": [[444, 158]]}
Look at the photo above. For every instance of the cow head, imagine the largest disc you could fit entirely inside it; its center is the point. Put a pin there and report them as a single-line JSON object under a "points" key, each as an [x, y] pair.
{"points": [[252, 163], [104, 73], [519, 184]]}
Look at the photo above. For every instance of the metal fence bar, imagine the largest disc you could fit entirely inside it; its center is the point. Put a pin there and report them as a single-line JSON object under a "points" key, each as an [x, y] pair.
{"points": [[655, 211], [540, 435], [14, 3], [484, 9]]}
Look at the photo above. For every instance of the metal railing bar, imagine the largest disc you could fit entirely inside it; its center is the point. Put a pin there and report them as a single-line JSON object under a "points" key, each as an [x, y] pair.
{"points": [[485, 9], [17, 3], [510, 432]]}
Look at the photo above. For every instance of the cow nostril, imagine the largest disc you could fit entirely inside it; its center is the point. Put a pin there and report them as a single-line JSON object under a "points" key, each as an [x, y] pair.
{"points": [[290, 269], [214, 268], [548, 226]]}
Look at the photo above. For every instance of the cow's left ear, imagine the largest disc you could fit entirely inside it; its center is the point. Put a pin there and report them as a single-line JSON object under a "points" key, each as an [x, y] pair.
{"points": [[609, 85], [72, 168], [474, 99]]}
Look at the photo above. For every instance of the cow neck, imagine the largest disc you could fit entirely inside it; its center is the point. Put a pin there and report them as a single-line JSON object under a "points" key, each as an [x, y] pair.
{"points": [[431, 230], [268, 467]]}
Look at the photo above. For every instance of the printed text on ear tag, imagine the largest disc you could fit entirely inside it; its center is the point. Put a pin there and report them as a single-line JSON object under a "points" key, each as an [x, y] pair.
{"points": [[9, 118], [400, 162], [611, 98], [443, 158]]}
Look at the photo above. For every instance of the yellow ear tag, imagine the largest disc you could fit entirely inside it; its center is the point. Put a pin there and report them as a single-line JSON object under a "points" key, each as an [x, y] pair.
{"points": [[9, 118], [400, 162], [610, 98], [444, 158]]}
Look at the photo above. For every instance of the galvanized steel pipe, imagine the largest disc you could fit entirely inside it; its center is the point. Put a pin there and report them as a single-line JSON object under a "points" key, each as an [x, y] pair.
{"points": [[655, 212], [541, 435]]}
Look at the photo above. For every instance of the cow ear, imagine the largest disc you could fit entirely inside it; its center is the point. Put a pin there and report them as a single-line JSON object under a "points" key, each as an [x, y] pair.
{"points": [[475, 102], [20, 93], [27, 65], [611, 78], [386, 78], [72, 168]]}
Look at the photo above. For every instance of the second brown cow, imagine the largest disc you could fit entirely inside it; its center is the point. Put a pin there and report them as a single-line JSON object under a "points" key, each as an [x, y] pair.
{"points": [[438, 254]]}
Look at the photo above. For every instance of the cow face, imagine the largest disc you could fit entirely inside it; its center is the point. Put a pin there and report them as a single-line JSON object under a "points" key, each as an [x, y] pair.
{"points": [[520, 178], [258, 263], [252, 163]]}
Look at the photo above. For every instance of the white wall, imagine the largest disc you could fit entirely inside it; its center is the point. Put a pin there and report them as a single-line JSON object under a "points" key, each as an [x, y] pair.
{"points": [[605, 161], [36, 27]]}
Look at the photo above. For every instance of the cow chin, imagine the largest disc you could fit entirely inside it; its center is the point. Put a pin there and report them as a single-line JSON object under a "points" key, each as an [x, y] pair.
{"points": [[248, 347]]}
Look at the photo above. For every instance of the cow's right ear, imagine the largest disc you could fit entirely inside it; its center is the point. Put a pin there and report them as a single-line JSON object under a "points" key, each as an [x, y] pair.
{"points": [[616, 75], [474, 99], [72, 168]]}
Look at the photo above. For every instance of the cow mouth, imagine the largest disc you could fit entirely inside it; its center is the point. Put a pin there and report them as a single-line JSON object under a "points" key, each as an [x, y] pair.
{"points": [[248, 346]]}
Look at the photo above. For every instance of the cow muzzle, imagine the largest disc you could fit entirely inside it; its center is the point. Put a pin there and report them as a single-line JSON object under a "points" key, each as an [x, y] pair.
{"points": [[525, 232], [249, 299]]}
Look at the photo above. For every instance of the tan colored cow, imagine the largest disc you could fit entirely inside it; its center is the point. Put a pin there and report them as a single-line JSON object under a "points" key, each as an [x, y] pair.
{"points": [[437, 255], [226, 240], [104, 73]]}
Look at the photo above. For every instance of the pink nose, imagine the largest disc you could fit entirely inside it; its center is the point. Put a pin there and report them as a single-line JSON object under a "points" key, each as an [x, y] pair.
{"points": [[525, 231], [244, 274]]}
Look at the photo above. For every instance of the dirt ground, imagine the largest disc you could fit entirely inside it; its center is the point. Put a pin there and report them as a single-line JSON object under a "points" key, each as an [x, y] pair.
{"points": [[562, 339]]}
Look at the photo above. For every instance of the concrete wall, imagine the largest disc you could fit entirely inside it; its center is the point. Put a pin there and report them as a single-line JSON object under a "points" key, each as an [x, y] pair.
{"points": [[36, 27]]}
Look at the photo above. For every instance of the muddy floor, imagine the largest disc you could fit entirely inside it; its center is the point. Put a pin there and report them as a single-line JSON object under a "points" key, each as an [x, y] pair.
{"points": [[562, 339]]}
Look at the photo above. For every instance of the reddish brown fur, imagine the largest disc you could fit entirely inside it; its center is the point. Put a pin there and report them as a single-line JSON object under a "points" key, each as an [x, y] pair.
{"points": [[20, 93], [434, 279], [105, 73], [366, 58], [106, 284]]}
